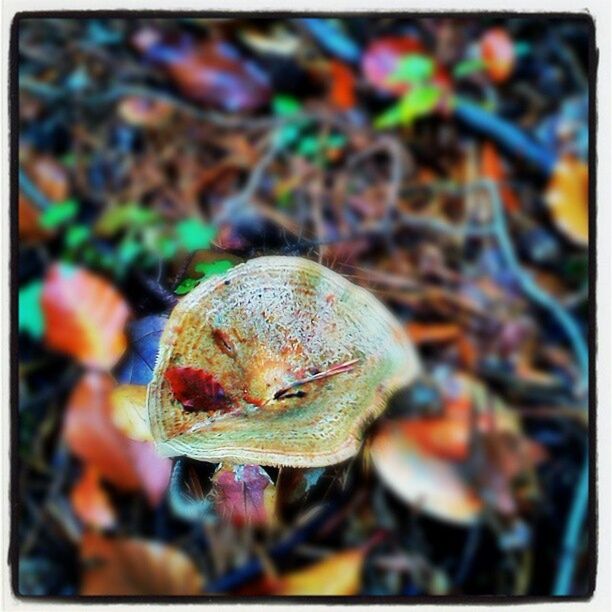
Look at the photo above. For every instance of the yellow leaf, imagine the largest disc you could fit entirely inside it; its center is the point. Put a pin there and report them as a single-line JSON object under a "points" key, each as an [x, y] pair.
{"points": [[339, 574], [129, 411], [567, 197]]}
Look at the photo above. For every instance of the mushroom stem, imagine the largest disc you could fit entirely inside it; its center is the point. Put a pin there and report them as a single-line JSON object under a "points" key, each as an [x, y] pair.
{"points": [[337, 369]]}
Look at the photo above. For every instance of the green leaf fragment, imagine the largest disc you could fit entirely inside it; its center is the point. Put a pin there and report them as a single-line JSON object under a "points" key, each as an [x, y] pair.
{"points": [[206, 269], [193, 234], [413, 68], [186, 285], [419, 102], [30, 314], [76, 236], [126, 216], [128, 250], [284, 105], [212, 268], [467, 67], [59, 214]]}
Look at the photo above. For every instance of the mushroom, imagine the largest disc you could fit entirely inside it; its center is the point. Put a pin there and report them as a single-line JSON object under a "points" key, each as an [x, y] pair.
{"points": [[278, 362]]}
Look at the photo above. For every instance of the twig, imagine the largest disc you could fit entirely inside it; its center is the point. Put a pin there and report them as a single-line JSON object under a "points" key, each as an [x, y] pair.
{"points": [[565, 571], [32, 192], [337, 369]]}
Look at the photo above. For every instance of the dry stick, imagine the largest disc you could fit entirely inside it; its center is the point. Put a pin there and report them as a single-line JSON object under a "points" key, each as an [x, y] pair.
{"points": [[337, 369]]}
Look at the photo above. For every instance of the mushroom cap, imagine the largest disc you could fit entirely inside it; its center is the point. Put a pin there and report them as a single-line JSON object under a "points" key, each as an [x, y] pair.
{"points": [[280, 320]]}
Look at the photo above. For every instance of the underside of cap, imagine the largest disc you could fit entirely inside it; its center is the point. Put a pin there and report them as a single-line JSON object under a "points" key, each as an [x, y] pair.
{"points": [[271, 324]]}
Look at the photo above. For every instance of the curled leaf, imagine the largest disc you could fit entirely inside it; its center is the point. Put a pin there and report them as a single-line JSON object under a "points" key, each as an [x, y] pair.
{"points": [[131, 566], [84, 316]]}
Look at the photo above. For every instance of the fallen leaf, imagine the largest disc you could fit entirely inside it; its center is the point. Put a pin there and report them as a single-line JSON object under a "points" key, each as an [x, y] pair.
{"points": [[145, 112], [50, 178], [567, 197], [338, 574], [30, 228], [136, 368], [433, 333], [196, 389], [92, 436], [212, 72], [84, 316], [491, 167], [59, 214], [244, 495], [381, 60], [342, 92], [193, 234], [131, 566], [31, 319], [497, 51], [431, 484], [90, 501], [129, 411]]}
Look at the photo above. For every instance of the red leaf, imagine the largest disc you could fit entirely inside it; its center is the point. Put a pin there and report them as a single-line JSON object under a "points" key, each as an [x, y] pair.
{"points": [[85, 316], [196, 389], [342, 92], [92, 436], [244, 494]]}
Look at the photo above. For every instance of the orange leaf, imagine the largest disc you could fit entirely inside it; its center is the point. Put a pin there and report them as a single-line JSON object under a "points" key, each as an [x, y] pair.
{"points": [[497, 50], [144, 112], [443, 437], [567, 197], [50, 177], [342, 93], [29, 225], [131, 566], [92, 436], [424, 333], [491, 167], [431, 484], [129, 411], [84, 316], [91, 502], [339, 574]]}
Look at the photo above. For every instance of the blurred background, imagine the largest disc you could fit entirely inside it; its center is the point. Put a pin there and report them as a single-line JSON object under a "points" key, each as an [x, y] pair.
{"points": [[442, 163]]}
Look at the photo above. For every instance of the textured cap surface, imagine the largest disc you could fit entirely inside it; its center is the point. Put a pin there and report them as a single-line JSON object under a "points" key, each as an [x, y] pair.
{"points": [[258, 330]]}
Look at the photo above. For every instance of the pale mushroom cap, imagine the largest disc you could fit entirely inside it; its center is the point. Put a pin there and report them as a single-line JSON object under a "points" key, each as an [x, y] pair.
{"points": [[281, 316]]}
